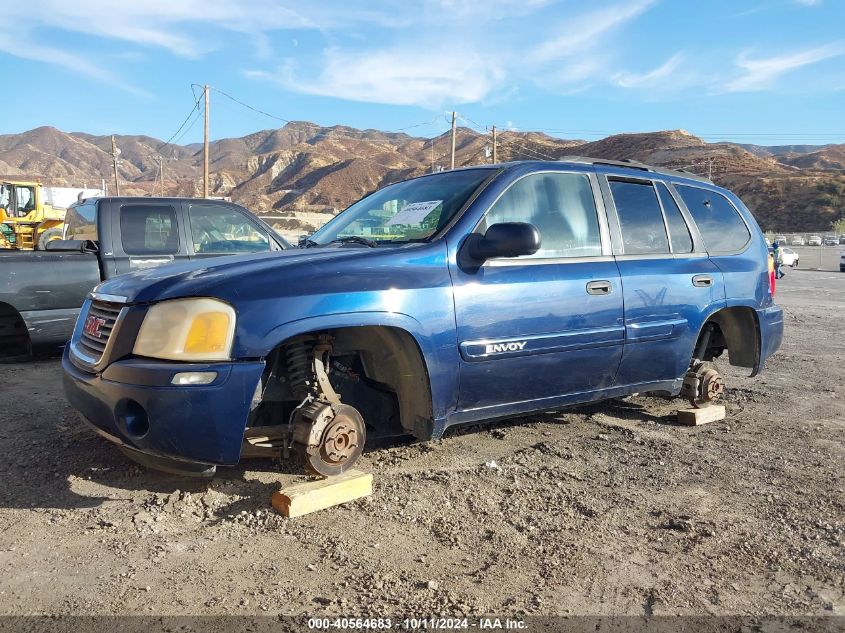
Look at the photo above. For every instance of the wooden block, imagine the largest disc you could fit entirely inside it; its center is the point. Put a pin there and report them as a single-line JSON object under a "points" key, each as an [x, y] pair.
{"points": [[697, 417], [311, 496]]}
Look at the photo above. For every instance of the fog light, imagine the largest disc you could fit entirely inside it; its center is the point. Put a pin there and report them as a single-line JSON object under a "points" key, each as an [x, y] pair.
{"points": [[193, 378]]}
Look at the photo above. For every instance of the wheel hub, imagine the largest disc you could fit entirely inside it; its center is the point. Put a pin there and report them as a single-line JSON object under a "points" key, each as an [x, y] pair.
{"points": [[340, 441], [712, 386], [702, 385], [328, 439]]}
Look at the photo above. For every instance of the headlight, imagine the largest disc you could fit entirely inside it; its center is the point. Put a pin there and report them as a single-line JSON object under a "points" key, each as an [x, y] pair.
{"points": [[187, 329]]}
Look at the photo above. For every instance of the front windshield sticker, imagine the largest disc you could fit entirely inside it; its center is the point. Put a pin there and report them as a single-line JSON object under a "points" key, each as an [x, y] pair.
{"points": [[414, 213]]}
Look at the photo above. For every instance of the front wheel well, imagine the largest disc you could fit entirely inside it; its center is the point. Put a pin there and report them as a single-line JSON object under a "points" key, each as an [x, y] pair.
{"points": [[379, 370], [736, 329]]}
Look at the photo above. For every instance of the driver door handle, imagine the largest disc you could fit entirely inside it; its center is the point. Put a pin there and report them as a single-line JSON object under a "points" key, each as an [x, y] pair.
{"points": [[702, 281], [599, 287]]}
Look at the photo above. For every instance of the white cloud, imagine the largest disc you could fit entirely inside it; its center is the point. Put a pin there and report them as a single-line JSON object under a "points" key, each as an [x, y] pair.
{"points": [[657, 77], [396, 76], [579, 33], [22, 48], [472, 56], [759, 74]]}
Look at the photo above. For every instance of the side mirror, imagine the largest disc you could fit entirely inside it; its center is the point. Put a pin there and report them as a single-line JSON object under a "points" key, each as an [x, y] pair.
{"points": [[507, 239]]}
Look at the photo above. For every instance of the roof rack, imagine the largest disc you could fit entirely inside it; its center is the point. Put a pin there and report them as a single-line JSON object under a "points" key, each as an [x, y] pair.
{"points": [[633, 164]]}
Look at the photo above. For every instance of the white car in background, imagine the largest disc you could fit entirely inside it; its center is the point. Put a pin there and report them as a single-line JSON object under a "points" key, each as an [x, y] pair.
{"points": [[815, 240], [789, 257], [798, 240]]}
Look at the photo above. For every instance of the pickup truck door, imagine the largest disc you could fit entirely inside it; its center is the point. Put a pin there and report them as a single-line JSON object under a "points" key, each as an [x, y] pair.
{"points": [[670, 284], [216, 228], [146, 234], [534, 329]]}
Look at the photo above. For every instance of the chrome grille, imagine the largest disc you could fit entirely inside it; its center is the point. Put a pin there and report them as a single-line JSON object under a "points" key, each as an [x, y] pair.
{"points": [[106, 312]]}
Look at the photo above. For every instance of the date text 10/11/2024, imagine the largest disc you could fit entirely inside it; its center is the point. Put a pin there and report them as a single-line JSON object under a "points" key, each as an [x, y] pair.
{"points": [[413, 624]]}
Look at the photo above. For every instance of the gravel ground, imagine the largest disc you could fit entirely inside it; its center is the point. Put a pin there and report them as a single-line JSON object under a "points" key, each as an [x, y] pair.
{"points": [[607, 509]]}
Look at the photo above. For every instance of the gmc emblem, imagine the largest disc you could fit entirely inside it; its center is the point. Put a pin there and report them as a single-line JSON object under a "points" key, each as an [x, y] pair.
{"points": [[92, 326]]}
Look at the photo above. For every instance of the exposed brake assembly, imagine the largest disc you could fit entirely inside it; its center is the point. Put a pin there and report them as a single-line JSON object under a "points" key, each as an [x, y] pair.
{"points": [[325, 434], [702, 385]]}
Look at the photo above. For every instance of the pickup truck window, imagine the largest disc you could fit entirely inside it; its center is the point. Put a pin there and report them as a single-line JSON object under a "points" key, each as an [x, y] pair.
{"points": [[717, 219], [640, 218], [217, 229], [560, 205], [149, 229], [81, 222], [412, 210]]}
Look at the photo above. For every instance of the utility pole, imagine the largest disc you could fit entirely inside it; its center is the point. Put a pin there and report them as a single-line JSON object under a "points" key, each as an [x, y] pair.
{"points": [[710, 169], [115, 152], [205, 149], [495, 154], [161, 172], [454, 121], [432, 155]]}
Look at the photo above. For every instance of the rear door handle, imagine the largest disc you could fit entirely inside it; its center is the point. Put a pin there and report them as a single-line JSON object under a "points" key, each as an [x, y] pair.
{"points": [[599, 287], [702, 281]]}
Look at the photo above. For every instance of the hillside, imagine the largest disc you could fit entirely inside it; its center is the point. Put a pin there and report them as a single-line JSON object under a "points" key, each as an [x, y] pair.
{"points": [[305, 172], [831, 157]]}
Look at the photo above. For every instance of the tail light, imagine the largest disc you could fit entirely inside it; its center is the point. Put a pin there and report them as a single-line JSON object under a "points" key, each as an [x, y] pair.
{"points": [[772, 280]]}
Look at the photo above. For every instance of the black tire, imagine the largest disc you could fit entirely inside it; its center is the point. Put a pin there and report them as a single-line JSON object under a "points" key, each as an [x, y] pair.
{"points": [[48, 236]]}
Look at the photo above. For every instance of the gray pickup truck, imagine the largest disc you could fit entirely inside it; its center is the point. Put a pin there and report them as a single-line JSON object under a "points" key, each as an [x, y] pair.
{"points": [[41, 292]]}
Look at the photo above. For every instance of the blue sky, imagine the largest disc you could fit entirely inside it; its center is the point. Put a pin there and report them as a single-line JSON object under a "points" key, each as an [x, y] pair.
{"points": [[762, 71]]}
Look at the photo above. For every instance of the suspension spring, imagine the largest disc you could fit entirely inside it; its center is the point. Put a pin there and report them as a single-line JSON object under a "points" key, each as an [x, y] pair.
{"points": [[298, 358]]}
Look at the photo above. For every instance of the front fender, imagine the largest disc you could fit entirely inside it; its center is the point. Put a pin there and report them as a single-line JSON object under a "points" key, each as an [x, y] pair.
{"points": [[437, 346]]}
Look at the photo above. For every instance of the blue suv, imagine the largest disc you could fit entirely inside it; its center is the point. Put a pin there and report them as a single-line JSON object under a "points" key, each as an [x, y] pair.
{"points": [[451, 298]]}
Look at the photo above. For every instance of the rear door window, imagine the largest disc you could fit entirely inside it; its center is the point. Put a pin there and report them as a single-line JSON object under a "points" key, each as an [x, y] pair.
{"points": [[217, 228], [640, 218], [149, 229], [718, 221], [81, 222], [678, 229]]}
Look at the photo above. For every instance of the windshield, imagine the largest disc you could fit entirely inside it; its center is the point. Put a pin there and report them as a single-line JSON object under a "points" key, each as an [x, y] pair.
{"points": [[408, 211]]}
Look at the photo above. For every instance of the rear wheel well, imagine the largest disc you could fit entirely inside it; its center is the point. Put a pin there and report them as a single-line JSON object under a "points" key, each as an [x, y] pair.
{"points": [[14, 337], [376, 369], [735, 329]]}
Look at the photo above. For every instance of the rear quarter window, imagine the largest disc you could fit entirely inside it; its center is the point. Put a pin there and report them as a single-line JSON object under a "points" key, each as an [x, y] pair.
{"points": [[718, 221]]}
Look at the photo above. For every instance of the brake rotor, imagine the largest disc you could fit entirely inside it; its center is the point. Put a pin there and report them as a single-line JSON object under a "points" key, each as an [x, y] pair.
{"points": [[333, 440], [710, 386]]}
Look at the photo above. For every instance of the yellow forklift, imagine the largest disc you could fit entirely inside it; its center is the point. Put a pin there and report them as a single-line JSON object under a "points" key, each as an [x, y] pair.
{"points": [[26, 221]]}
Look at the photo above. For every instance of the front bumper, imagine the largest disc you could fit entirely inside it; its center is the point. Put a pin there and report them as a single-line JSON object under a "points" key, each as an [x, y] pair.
{"points": [[133, 404]]}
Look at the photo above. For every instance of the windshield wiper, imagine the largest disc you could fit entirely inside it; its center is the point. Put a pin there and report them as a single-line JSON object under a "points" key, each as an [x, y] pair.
{"points": [[355, 239]]}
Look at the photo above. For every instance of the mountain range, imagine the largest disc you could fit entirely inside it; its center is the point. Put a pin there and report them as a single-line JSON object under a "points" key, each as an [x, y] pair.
{"points": [[304, 173]]}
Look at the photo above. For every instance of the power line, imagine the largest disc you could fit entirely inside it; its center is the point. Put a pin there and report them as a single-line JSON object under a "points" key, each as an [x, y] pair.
{"points": [[246, 105], [200, 111], [168, 141], [315, 125], [528, 151]]}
